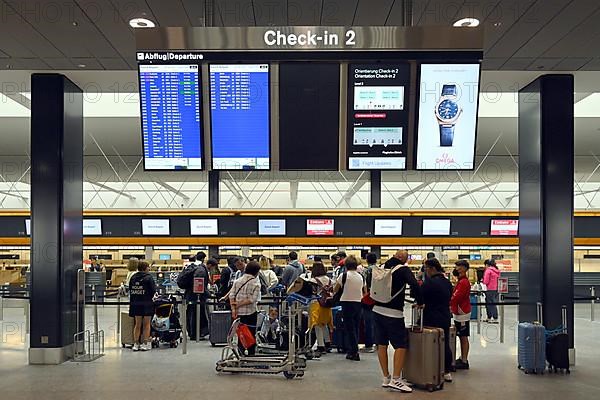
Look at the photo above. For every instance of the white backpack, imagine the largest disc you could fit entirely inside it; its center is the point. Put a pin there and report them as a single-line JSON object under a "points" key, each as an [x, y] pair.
{"points": [[381, 284]]}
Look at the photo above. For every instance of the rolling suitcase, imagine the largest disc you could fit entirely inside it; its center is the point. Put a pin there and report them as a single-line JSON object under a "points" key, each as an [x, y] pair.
{"points": [[424, 365], [220, 322], [557, 347], [337, 336], [127, 324], [532, 345]]}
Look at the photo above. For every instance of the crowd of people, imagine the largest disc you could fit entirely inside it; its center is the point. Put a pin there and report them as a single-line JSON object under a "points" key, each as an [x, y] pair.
{"points": [[377, 324]]}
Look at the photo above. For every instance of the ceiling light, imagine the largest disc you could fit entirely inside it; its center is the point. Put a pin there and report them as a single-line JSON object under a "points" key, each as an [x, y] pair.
{"points": [[81, 65], [141, 23], [467, 22]]}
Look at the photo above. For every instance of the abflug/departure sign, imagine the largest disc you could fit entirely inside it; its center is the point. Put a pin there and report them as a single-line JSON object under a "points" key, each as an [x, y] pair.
{"points": [[378, 116]]}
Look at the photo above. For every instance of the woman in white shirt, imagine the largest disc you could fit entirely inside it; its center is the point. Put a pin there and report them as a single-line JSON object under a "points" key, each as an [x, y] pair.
{"points": [[353, 285], [267, 273]]}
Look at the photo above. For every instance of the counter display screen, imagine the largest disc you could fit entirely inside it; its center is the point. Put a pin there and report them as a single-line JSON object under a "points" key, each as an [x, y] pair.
{"points": [[504, 227], [319, 227], [28, 227], [436, 227], [240, 118], [204, 227], [92, 227], [378, 116], [388, 227], [271, 227], [447, 121], [171, 123], [153, 227]]}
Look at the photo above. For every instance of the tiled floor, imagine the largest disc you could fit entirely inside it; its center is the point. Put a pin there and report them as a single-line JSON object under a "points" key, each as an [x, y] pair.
{"points": [[168, 374]]}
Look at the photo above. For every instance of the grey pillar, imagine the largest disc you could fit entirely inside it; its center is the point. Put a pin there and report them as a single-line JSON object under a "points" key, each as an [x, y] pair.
{"points": [[546, 167], [375, 189], [56, 215], [213, 189]]}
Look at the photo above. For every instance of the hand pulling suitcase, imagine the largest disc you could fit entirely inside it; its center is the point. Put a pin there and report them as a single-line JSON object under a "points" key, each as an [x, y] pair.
{"points": [[424, 365], [532, 345], [557, 348], [127, 325], [220, 322]]}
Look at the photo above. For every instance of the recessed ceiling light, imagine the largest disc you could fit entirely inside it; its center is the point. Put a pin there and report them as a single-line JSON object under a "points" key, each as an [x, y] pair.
{"points": [[467, 22], [141, 23], [81, 65]]}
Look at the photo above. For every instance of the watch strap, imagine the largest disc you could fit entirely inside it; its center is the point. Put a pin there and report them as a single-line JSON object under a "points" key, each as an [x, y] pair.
{"points": [[449, 90], [446, 135]]}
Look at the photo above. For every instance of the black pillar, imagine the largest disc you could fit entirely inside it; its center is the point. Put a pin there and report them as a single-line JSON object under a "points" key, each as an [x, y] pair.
{"points": [[213, 189], [546, 159], [375, 189], [56, 215]]}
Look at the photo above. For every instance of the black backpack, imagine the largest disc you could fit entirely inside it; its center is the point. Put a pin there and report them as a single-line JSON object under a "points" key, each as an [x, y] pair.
{"points": [[264, 286], [185, 279]]}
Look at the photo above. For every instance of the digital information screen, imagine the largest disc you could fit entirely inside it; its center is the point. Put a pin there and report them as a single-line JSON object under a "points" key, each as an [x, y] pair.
{"points": [[447, 121], [240, 118], [271, 227], [436, 227], [388, 227], [319, 227], [378, 116], [204, 227], [92, 227], [28, 227], [171, 124], [153, 227], [504, 227]]}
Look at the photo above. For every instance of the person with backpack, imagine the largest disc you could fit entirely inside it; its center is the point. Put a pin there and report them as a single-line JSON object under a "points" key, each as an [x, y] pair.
{"points": [[490, 279], [195, 271], [388, 286], [460, 305], [293, 270], [267, 276], [142, 289], [352, 286], [367, 304], [321, 317]]}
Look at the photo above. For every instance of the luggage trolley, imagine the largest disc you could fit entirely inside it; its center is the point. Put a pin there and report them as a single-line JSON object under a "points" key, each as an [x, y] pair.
{"points": [[291, 364]]}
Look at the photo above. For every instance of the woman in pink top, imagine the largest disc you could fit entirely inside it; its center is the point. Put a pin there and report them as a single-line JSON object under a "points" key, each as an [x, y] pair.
{"points": [[490, 279]]}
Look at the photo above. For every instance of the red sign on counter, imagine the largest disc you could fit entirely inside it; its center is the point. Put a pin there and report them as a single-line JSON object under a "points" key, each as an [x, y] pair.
{"points": [[503, 285], [504, 227], [198, 286], [319, 227]]}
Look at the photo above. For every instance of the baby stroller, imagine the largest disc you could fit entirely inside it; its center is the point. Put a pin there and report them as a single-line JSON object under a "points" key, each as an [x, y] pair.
{"points": [[166, 327]]}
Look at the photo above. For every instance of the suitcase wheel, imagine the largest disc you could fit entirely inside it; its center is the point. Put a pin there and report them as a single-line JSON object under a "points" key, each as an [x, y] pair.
{"points": [[289, 375]]}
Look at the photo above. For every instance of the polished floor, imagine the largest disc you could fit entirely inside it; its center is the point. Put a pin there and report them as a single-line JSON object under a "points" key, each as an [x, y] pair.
{"points": [[168, 374]]}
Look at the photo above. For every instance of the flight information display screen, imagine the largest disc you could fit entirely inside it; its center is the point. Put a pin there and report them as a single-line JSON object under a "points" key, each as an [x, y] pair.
{"points": [[240, 118], [378, 116], [171, 122]]}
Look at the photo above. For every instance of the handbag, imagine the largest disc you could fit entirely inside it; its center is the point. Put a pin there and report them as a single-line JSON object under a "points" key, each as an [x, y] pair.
{"points": [[245, 336], [327, 297], [367, 299], [337, 297]]}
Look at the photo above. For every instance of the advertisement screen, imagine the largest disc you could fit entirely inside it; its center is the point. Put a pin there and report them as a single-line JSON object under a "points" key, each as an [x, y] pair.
{"points": [[436, 227], [447, 121], [204, 227], [155, 227], [240, 118], [504, 227], [171, 124], [388, 227], [92, 227], [273, 227], [319, 227], [377, 116]]}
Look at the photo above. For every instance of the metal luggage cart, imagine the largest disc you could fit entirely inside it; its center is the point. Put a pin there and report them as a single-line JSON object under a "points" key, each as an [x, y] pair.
{"points": [[290, 364]]}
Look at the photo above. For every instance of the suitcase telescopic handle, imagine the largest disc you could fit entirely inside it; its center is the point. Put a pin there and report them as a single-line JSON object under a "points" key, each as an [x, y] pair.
{"points": [[564, 319], [417, 313], [540, 314]]}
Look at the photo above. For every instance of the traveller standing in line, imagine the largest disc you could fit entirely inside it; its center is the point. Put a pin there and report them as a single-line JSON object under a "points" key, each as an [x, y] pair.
{"points": [[244, 297], [353, 286], [490, 279], [267, 273], [132, 265], [142, 289], [460, 305], [321, 318], [340, 267], [292, 271], [437, 291], [367, 306], [389, 322]]}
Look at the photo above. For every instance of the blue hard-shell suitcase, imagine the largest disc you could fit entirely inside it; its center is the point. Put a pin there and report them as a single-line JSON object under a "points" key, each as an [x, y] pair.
{"points": [[337, 336], [532, 348], [474, 307]]}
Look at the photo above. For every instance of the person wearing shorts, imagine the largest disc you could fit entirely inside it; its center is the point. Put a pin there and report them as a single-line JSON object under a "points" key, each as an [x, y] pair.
{"points": [[389, 323], [460, 305], [142, 289]]}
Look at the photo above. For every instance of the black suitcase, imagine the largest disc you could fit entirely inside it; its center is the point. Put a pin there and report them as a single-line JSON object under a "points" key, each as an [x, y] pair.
{"points": [[337, 335], [220, 323], [557, 348]]}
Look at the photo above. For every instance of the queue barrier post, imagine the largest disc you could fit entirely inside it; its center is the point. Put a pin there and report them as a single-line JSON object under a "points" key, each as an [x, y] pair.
{"points": [[118, 312], [2, 305], [184, 330], [478, 297], [593, 304], [198, 319], [501, 318]]}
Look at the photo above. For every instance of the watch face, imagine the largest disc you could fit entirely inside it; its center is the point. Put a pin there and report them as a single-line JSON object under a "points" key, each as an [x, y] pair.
{"points": [[448, 109]]}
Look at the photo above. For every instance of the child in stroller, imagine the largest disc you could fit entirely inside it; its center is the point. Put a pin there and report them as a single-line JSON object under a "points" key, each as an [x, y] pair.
{"points": [[166, 327], [270, 328]]}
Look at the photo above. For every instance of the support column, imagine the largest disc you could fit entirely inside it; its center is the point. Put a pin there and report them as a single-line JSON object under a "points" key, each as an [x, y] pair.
{"points": [[213, 189], [546, 167], [375, 189], [56, 216]]}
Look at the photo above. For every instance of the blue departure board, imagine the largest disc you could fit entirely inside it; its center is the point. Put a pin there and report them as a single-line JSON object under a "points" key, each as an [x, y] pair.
{"points": [[171, 123], [239, 106]]}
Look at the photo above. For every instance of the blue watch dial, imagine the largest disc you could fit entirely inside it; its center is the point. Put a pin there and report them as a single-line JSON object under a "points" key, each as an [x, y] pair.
{"points": [[448, 109]]}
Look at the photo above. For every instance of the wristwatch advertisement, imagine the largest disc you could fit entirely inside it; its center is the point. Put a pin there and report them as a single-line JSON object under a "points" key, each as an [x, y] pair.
{"points": [[447, 118]]}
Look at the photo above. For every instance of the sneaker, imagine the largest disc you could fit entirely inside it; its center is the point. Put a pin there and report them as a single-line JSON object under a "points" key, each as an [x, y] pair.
{"points": [[136, 347], [353, 357], [385, 381], [370, 349], [146, 347], [399, 385], [448, 377], [460, 364]]}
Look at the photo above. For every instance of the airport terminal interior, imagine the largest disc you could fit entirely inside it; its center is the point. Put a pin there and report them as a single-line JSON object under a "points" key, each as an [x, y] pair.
{"points": [[154, 154]]}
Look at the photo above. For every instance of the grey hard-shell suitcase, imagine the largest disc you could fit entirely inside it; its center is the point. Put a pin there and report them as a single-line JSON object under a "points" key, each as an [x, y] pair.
{"points": [[220, 322], [127, 324], [424, 365]]}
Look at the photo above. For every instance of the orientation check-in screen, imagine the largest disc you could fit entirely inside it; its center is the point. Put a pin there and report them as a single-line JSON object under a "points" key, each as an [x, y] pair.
{"points": [[240, 118]]}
